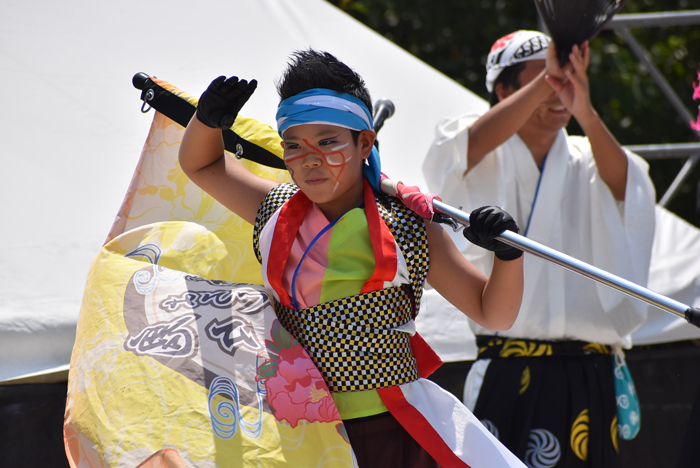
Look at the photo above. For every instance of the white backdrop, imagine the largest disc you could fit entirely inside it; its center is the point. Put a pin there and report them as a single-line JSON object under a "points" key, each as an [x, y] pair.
{"points": [[71, 130]]}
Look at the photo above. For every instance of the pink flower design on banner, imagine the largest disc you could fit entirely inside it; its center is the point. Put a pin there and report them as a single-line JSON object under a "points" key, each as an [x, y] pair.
{"points": [[295, 388]]}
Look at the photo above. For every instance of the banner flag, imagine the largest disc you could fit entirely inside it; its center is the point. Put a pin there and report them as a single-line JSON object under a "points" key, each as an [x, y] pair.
{"points": [[179, 359], [160, 191]]}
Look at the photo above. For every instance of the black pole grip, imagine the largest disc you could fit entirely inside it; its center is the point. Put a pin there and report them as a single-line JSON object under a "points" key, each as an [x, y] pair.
{"points": [[139, 80], [692, 315]]}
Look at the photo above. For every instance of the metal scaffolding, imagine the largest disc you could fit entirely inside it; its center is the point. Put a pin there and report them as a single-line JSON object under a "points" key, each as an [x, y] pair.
{"points": [[621, 24]]}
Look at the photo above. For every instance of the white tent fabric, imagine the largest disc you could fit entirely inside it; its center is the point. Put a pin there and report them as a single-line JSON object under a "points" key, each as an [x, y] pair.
{"points": [[674, 272], [71, 131]]}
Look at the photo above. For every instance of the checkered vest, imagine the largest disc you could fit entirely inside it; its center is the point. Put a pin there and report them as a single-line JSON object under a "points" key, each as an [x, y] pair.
{"points": [[351, 339]]}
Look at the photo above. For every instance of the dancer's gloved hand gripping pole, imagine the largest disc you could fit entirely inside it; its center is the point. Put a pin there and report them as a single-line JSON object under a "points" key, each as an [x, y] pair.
{"points": [[487, 223], [511, 238]]}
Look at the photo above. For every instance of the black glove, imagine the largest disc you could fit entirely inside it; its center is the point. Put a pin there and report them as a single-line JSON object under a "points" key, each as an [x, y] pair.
{"points": [[485, 224], [223, 100]]}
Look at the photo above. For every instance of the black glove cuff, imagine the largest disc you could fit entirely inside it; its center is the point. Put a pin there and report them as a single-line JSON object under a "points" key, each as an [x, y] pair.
{"points": [[510, 254], [202, 118]]}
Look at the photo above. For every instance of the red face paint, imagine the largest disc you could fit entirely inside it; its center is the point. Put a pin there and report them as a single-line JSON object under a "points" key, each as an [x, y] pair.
{"points": [[335, 168]]}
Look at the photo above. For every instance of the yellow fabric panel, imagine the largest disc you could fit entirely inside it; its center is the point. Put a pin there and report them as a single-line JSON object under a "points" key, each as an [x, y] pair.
{"points": [[123, 407], [160, 191]]}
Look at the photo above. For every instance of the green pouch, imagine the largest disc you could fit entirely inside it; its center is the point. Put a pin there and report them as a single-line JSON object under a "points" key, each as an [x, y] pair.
{"points": [[628, 412]]}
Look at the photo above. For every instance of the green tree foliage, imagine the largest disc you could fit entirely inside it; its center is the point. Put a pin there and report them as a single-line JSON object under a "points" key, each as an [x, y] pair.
{"points": [[454, 36]]}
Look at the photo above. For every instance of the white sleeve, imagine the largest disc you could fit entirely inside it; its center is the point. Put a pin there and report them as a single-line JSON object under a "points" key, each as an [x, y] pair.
{"points": [[639, 216], [622, 238], [446, 160]]}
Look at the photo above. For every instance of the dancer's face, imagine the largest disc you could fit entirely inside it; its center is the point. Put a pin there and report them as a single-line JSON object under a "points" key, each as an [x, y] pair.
{"points": [[326, 164]]}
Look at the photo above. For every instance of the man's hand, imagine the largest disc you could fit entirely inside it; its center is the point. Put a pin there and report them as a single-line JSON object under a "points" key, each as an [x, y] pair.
{"points": [[223, 100], [574, 94], [571, 82], [552, 67]]}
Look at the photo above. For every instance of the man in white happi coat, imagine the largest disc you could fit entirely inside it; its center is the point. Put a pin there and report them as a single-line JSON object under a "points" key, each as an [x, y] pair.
{"points": [[545, 387]]}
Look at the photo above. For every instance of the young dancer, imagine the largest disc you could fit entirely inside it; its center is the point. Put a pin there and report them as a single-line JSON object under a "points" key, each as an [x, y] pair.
{"points": [[346, 263]]}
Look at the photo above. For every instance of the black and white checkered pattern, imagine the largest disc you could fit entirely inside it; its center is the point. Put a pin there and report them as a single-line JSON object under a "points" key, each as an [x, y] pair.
{"points": [[272, 202], [408, 230], [351, 339]]}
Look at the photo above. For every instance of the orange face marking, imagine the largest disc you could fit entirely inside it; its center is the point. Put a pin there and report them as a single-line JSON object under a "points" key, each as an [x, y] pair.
{"points": [[336, 168]]}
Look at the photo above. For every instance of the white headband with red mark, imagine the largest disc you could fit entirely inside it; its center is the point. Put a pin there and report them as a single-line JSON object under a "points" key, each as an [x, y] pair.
{"points": [[516, 47]]}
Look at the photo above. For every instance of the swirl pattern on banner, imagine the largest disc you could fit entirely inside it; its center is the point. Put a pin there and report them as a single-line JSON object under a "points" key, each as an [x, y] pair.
{"points": [[226, 415]]}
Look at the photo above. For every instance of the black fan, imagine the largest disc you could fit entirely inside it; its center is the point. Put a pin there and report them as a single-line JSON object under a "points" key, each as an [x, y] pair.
{"points": [[575, 21]]}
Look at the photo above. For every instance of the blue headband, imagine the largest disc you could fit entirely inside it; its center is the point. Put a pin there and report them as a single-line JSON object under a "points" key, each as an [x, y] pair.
{"points": [[326, 107]]}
